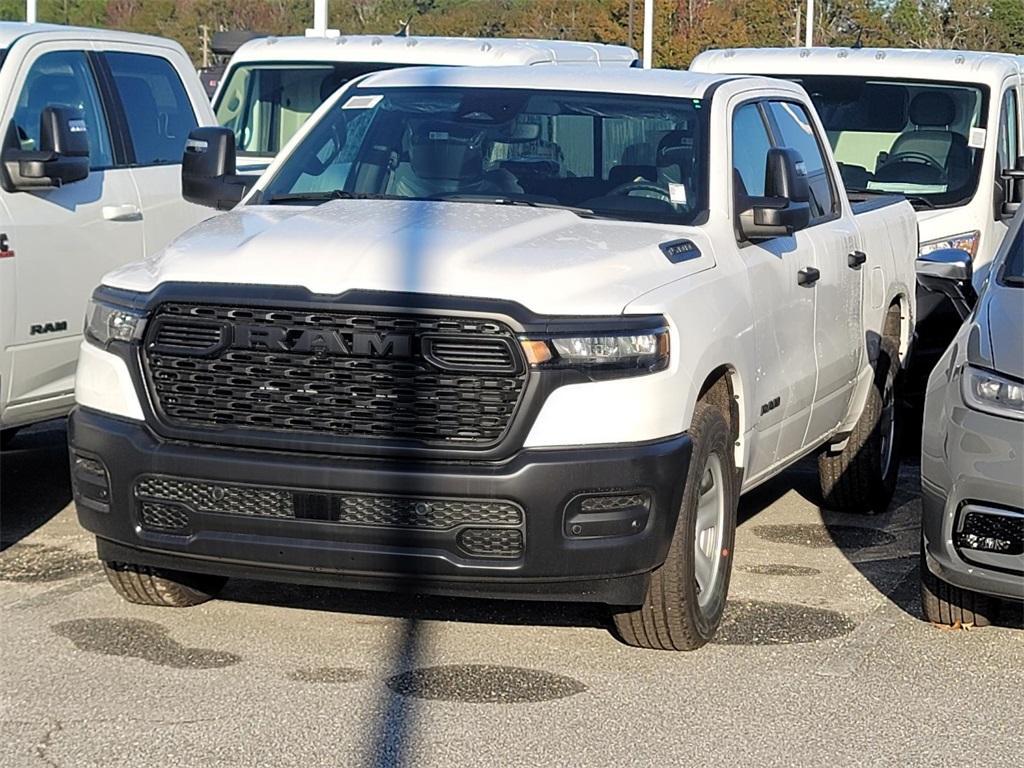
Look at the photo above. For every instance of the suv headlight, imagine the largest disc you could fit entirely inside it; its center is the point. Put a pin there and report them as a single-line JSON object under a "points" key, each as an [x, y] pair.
{"points": [[105, 323], [989, 392], [628, 352], [968, 241]]}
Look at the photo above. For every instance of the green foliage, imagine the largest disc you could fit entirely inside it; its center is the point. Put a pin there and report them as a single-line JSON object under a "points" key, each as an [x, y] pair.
{"points": [[683, 27]]}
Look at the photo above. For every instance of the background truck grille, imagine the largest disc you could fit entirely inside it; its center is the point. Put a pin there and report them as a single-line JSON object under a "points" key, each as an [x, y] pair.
{"points": [[437, 381]]}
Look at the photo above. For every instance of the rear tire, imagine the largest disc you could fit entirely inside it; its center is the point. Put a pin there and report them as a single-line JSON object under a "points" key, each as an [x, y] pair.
{"points": [[950, 606], [677, 614], [153, 586], [862, 477]]}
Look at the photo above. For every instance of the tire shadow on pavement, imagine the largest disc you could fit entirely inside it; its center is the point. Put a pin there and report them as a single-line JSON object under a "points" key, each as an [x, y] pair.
{"points": [[34, 480]]}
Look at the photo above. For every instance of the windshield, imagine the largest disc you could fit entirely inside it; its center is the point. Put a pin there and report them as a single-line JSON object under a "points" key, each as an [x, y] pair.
{"points": [[265, 104], [603, 154], [920, 139]]}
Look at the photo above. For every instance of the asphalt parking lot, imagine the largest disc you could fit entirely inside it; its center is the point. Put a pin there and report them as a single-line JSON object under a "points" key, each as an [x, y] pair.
{"points": [[822, 660]]}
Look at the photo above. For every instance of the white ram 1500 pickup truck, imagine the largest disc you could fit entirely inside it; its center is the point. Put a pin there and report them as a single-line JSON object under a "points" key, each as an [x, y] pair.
{"points": [[94, 124], [414, 358]]}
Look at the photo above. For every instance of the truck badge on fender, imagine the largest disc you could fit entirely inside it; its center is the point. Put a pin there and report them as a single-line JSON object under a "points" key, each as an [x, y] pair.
{"points": [[54, 327]]}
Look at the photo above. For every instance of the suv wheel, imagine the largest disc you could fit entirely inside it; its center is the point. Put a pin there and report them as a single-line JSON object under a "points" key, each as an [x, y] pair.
{"points": [[952, 606], [686, 596]]}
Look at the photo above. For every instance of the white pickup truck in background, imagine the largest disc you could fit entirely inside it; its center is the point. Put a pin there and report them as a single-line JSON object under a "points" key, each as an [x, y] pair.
{"points": [[415, 358], [94, 123], [943, 128], [273, 84]]}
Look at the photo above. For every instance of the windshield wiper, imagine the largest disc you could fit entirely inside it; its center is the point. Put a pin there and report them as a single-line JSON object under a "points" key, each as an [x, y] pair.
{"points": [[918, 201], [501, 200], [323, 197]]}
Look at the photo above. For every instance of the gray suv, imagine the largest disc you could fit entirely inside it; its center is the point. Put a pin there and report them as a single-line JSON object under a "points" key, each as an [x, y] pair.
{"points": [[972, 452]]}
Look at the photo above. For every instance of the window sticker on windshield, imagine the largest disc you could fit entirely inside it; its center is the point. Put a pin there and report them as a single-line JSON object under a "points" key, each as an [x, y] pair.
{"points": [[363, 102], [977, 138], [677, 193]]}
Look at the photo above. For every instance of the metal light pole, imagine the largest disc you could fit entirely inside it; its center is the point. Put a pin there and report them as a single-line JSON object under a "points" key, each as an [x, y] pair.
{"points": [[809, 31], [30, 11], [648, 33]]}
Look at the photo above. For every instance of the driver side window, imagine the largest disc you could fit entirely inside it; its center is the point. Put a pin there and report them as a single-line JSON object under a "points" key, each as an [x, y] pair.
{"points": [[750, 145], [63, 78]]}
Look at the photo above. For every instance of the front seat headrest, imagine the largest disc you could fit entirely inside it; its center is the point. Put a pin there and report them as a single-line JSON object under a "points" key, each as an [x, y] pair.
{"points": [[932, 109]]}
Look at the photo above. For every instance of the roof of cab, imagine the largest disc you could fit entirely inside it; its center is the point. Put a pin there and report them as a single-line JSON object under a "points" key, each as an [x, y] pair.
{"points": [[904, 63], [626, 80], [11, 31], [431, 50]]}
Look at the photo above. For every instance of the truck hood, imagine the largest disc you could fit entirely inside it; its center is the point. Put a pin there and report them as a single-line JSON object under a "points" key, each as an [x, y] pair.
{"points": [[551, 261]]}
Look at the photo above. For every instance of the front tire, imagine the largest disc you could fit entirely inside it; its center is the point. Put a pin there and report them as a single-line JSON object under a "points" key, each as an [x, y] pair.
{"points": [[686, 595], [143, 585], [862, 477], [951, 606]]}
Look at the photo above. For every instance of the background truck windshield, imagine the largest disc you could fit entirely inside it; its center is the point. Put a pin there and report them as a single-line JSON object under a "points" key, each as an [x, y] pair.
{"points": [[265, 104], [3, 55], [910, 137], [612, 154]]}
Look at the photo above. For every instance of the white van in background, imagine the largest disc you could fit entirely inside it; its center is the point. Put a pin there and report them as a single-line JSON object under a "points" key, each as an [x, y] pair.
{"points": [[93, 125], [273, 84], [943, 128]]}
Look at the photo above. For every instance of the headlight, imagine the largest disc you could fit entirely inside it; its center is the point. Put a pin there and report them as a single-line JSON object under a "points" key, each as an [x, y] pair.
{"points": [[991, 393], [105, 323], [968, 241], [629, 352]]}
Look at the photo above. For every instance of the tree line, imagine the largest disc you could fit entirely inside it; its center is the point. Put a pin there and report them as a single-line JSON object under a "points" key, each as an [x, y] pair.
{"points": [[683, 27]]}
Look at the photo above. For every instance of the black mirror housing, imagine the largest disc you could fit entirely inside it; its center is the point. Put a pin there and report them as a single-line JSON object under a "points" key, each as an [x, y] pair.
{"points": [[208, 167], [949, 271], [61, 158], [786, 175], [1014, 189]]}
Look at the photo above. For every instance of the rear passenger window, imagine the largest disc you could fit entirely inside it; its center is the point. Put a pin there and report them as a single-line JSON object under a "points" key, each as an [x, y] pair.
{"points": [[797, 132], [156, 106], [750, 145]]}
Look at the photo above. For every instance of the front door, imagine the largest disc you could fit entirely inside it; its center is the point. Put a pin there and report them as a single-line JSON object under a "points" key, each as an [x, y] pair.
{"points": [[64, 239], [783, 309]]}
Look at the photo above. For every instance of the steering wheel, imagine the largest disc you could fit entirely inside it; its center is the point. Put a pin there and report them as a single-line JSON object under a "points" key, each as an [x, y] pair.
{"points": [[919, 158], [625, 190]]}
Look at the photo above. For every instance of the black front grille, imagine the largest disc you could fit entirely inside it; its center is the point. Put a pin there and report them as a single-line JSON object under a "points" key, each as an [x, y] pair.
{"points": [[433, 380]]}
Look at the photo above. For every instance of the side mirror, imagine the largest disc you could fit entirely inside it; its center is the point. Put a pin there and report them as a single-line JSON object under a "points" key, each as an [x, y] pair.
{"points": [[1014, 178], [208, 174], [785, 208], [61, 158], [785, 175], [948, 271]]}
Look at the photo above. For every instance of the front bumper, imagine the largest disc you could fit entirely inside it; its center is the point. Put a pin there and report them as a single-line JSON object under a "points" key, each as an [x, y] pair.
{"points": [[972, 463], [605, 558]]}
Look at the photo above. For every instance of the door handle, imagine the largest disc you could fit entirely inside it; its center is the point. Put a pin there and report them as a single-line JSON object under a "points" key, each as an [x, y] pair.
{"points": [[807, 276], [856, 259], [126, 212]]}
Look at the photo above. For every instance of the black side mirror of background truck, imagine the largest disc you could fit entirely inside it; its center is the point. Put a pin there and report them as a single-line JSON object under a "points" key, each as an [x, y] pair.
{"points": [[62, 156], [208, 174], [949, 271], [1014, 178]]}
